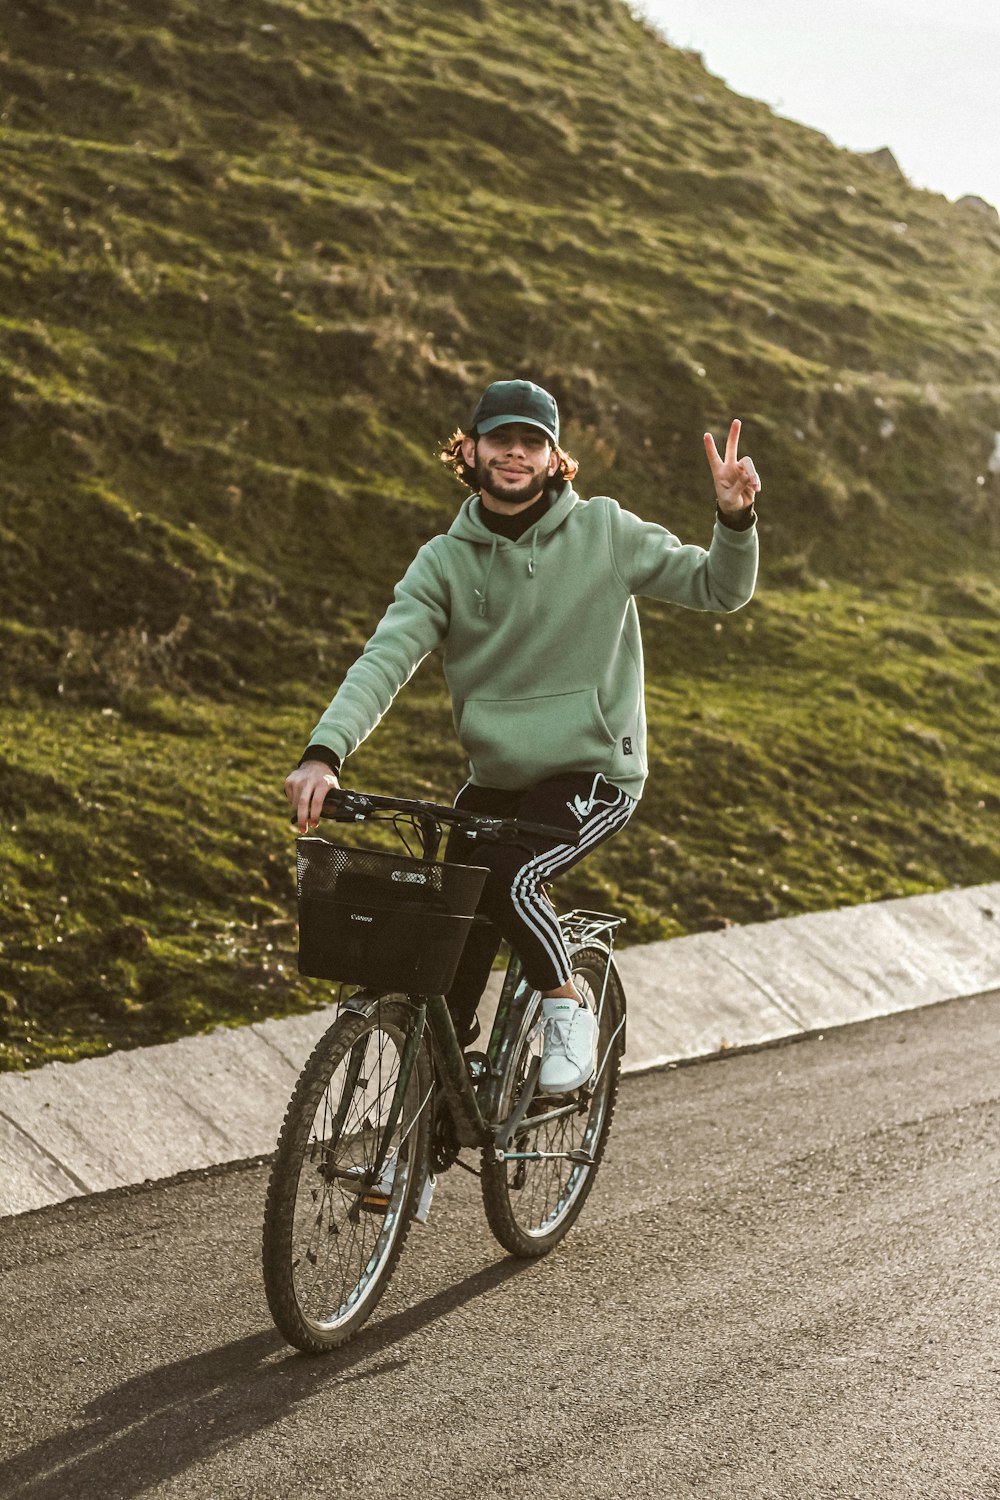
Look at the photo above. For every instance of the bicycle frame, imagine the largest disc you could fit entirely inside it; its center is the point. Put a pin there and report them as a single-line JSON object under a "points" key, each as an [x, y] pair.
{"points": [[474, 1103]]}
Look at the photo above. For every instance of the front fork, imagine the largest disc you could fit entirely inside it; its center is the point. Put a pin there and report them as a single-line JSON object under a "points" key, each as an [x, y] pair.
{"points": [[353, 1080], [406, 1065]]}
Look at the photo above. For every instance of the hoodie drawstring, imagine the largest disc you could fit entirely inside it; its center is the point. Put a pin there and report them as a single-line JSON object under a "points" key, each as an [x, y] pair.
{"points": [[594, 800], [481, 594]]}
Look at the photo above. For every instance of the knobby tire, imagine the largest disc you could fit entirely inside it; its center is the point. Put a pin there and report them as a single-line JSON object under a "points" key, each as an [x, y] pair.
{"points": [[531, 1206], [327, 1260]]}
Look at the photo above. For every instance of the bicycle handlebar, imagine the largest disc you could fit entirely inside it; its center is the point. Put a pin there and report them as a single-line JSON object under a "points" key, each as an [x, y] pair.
{"points": [[355, 807]]}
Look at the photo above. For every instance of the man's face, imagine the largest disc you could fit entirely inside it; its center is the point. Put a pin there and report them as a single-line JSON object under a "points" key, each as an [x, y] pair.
{"points": [[512, 463]]}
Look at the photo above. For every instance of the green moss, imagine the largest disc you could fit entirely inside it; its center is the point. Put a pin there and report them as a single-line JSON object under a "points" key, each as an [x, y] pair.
{"points": [[148, 884]]}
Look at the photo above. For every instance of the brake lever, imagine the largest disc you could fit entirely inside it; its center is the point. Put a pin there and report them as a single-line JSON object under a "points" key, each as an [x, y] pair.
{"points": [[340, 816], [351, 807], [486, 828]]}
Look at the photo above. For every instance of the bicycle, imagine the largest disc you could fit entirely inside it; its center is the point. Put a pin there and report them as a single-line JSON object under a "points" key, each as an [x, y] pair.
{"points": [[388, 1096]]}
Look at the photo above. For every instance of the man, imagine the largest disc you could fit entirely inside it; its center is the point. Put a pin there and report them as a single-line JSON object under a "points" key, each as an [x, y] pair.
{"points": [[531, 597]]}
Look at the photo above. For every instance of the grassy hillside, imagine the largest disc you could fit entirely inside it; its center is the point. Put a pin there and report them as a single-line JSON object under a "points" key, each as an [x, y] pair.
{"points": [[255, 263]]}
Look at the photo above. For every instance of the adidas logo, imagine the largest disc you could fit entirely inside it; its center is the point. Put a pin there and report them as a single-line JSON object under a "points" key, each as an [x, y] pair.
{"points": [[579, 808]]}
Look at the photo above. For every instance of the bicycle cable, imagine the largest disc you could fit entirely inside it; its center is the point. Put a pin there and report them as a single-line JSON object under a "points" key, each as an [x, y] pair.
{"points": [[407, 820]]}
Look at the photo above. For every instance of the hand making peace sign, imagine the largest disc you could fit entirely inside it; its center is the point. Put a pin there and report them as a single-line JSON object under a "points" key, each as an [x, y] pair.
{"points": [[736, 482]]}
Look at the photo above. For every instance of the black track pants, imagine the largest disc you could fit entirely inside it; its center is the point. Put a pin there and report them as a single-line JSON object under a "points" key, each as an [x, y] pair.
{"points": [[513, 898]]}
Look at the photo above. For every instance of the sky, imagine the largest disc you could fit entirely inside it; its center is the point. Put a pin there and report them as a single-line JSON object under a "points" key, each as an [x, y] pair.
{"points": [[921, 78]]}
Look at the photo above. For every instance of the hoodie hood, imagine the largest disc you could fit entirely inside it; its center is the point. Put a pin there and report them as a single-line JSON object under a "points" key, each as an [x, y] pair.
{"points": [[468, 526]]}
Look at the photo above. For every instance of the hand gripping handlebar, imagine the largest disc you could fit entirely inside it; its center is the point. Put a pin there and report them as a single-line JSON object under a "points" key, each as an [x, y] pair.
{"points": [[344, 806]]}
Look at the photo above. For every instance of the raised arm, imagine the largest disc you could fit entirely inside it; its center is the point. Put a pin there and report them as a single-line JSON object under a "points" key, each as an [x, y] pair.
{"points": [[652, 562], [737, 483]]}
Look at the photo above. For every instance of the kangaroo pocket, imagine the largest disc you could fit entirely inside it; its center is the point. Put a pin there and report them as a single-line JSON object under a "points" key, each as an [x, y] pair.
{"points": [[513, 743]]}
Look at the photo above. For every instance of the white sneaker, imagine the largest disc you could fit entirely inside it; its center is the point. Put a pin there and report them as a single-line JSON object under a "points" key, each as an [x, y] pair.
{"points": [[569, 1046]]}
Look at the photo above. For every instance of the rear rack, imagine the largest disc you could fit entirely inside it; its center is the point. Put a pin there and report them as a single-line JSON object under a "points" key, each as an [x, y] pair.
{"points": [[589, 926]]}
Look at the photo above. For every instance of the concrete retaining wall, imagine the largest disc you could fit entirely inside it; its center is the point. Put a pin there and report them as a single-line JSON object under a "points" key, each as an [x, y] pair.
{"points": [[67, 1129]]}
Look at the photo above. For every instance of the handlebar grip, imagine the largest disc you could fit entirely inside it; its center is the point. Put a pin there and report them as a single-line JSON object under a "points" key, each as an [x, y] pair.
{"points": [[335, 795], [344, 805]]}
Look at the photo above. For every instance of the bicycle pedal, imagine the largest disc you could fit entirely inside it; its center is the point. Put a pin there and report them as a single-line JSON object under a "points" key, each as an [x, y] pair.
{"points": [[374, 1202]]}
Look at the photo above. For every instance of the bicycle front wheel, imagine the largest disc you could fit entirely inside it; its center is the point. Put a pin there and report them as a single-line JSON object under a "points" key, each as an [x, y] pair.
{"points": [[533, 1198], [334, 1225]]}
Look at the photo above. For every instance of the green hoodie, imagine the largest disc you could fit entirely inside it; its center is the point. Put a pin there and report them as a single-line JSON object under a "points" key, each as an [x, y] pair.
{"points": [[541, 646]]}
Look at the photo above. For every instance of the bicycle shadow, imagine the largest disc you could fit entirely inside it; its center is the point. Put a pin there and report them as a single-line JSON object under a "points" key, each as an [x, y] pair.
{"points": [[156, 1425]]}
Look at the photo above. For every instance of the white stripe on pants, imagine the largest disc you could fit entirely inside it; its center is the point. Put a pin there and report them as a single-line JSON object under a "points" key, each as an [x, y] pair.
{"points": [[527, 897]]}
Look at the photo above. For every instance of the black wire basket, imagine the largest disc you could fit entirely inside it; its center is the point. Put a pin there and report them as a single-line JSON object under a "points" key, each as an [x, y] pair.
{"points": [[383, 920]]}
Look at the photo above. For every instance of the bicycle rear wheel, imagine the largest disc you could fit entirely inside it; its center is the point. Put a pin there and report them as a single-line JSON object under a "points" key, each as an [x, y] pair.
{"points": [[532, 1203], [333, 1227]]}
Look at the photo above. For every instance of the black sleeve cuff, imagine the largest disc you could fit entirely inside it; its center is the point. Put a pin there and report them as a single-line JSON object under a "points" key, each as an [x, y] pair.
{"points": [[328, 757], [740, 522]]}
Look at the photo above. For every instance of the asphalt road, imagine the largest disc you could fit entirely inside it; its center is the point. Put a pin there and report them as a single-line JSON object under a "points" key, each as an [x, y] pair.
{"points": [[784, 1285]]}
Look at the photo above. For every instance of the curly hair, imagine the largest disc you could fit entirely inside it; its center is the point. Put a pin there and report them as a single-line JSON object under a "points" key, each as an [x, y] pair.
{"points": [[451, 455]]}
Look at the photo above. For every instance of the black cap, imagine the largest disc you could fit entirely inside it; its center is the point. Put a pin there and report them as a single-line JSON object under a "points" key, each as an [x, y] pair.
{"points": [[516, 401]]}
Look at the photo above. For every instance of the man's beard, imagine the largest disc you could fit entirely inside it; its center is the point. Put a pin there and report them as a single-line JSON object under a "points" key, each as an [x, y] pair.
{"points": [[511, 492]]}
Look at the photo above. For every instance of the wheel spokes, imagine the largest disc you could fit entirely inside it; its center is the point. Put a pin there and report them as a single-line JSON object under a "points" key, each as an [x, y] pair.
{"points": [[542, 1190], [337, 1243]]}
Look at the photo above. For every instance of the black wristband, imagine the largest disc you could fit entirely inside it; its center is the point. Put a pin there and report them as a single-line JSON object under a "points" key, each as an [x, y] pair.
{"points": [[328, 757], [742, 520]]}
